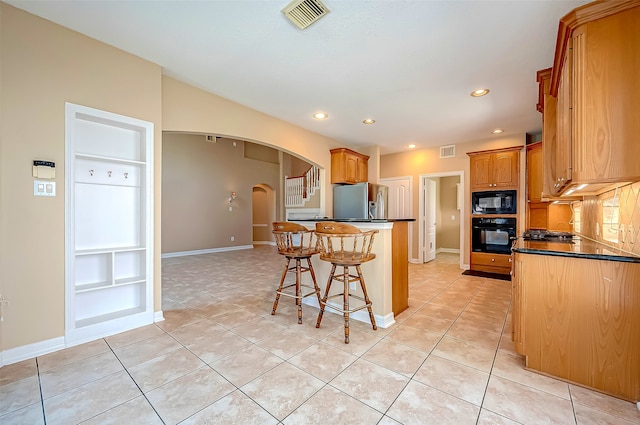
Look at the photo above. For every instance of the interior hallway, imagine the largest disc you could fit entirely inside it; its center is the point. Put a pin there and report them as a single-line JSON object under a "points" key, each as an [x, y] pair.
{"points": [[221, 358]]}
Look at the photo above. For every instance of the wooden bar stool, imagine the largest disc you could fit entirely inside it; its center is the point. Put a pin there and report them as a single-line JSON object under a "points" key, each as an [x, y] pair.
{"points": [[295, 242], [346, 246]]}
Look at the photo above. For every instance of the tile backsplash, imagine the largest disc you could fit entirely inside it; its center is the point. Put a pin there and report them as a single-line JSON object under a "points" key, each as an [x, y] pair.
{"points": [[613, 217]]}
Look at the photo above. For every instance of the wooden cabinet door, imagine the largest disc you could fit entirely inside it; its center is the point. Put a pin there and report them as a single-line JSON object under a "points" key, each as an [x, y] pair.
{"points": [[549, 145], [350, 169], [606, 54], [362, 174], [534, 172], [562, 156], [481, 172], [505, 170]]}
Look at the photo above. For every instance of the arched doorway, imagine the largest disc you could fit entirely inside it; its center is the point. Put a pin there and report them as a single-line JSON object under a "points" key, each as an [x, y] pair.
{"points": [[263, 202]]}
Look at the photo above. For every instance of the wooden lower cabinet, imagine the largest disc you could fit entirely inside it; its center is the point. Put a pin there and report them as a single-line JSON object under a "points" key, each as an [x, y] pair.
{"points": [[578, 320], [492, 263]]}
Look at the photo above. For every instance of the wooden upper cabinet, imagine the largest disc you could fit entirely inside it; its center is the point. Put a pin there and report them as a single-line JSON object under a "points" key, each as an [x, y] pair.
{"points": [[594, 82], [348, 166], [606, 56], [495, 170]]}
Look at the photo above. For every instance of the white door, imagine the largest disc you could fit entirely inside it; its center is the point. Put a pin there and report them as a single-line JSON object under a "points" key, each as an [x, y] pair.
{"points": [[428, 216], [399, 201]]}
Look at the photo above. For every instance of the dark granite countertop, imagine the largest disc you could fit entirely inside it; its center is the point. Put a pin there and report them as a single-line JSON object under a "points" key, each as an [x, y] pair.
{"points": [[356, 220], [580, 248]]}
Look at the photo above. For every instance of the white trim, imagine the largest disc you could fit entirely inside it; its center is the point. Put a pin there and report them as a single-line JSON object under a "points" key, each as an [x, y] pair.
{"points": [[205, 251], [108, 328], [30, 351], [360, 315], [448, 250], [264, 243], [73, 114], [158, 316]]}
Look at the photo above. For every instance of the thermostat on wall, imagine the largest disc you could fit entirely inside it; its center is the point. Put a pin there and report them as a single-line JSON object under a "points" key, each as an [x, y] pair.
{"points": [[44, 169]]}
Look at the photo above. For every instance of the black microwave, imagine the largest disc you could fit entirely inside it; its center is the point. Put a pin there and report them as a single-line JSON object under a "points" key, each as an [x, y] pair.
{"points": [[494, 202]]}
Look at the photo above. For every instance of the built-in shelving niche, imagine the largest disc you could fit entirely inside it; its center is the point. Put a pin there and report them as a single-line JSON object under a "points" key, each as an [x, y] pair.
{"points": [[109, 223]]}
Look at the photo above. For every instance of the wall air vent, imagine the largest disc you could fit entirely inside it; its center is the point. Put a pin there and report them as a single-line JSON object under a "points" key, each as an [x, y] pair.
{"points": [[305, 12], [448, 151]]}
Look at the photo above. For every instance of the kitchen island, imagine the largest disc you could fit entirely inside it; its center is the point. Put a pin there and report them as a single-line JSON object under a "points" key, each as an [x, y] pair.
{"points": [[387, 276], [576, 313]]}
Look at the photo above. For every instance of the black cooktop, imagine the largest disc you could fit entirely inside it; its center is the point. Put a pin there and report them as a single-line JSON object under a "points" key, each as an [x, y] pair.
{"points": [[547, 235]]}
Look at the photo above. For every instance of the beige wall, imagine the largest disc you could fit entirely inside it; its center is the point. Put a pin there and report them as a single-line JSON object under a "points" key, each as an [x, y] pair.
{"points": [[447, 230], [197, 180], [42, 66], [427, 161]]}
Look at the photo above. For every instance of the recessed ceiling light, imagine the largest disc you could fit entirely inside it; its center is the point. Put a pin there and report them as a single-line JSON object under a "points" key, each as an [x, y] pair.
{"points": [[479, 92], [411, 146], [320, 116], [368, 121], [497, 131]]}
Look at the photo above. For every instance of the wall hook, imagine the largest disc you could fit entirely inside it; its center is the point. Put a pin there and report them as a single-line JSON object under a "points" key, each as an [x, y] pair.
{"points": [[126, 175], [91, 172], [109, 173]]}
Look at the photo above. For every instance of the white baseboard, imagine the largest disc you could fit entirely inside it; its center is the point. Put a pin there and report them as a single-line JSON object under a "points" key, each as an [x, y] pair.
{"points": [[205, 251], [264, 243], [360, 315], [30, 351], [448, 250], [75, 337]]}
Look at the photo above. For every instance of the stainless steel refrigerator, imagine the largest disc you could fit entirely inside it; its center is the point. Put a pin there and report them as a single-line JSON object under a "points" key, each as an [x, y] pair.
{"points": [[360, 201]]}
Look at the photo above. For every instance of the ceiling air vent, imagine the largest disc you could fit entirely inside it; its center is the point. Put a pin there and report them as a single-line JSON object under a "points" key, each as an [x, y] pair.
{"points": [[305, 12], [447, 151]]}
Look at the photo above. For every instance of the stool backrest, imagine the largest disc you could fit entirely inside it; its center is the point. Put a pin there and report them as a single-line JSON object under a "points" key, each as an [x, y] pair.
{"points": [[344, 243], [293, 239]]}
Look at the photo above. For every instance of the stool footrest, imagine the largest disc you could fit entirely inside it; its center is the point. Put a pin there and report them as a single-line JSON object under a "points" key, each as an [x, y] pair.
{"points": [[342, 310], [295, 296]]}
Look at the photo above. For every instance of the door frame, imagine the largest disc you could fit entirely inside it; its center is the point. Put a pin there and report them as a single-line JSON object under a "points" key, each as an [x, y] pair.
{"points": [[271, 205], [421, 212]]}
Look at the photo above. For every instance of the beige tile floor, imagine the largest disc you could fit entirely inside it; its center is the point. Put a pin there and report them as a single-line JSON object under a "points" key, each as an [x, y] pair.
{"points": [[221, 358]]}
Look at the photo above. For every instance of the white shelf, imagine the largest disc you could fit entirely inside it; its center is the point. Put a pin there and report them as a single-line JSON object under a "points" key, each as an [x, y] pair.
{"points": [[92, 286], [107, 317], [109, 222], [109, 159], [104, 285], [109, 250]]}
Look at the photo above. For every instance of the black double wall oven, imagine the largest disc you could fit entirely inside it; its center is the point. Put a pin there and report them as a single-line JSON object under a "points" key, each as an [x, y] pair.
{"points": [[493, 227]]}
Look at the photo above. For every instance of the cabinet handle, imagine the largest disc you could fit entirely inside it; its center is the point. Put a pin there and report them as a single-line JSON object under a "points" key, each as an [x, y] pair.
{"points": [[493, 260]]}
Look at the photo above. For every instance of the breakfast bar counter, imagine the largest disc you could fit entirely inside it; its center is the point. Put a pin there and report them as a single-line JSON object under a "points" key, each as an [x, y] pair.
{"points": [[387, 276]]}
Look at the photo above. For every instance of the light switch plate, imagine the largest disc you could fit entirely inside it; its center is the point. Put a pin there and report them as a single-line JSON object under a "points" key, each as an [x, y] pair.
{"points": [[44, 188]]}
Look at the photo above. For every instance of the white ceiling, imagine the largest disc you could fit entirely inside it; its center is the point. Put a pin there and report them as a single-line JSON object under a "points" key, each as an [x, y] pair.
{"points": [[410, 65]]}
